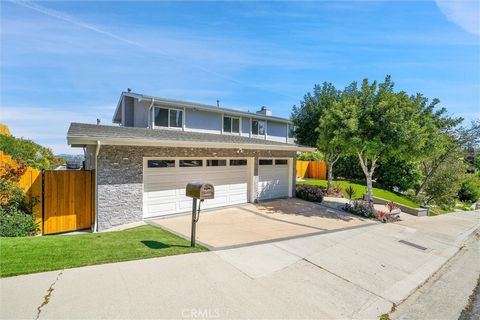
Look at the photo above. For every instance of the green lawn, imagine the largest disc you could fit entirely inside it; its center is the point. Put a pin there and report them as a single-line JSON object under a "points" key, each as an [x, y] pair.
{"points": [[36, 254], [361, 189]]}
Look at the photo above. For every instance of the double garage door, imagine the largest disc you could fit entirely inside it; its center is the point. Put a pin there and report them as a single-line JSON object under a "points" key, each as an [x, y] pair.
{"points": [[165, 181]]}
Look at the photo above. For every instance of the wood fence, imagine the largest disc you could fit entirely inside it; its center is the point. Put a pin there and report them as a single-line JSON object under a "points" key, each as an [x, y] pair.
{"points": [[311, 169], [66, 201]]}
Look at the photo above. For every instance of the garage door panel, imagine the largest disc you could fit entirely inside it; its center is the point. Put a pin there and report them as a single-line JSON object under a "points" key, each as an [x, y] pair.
{"points": [[162, 209], [164, 188], [237, 198], [273, 181]]}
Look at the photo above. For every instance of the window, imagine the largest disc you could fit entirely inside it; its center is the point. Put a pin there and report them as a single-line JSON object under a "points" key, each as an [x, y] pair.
{"points": [[176, 118], [161, 163], [161, 117], [191, 163], [216, 163], [281, 162], [265, 162], [238, 162], [231, 125], [166, 117], [291, 131], [258, 127]]}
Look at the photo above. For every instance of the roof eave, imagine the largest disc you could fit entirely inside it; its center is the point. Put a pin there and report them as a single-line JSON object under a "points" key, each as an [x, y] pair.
{"points": [[81, 140]]}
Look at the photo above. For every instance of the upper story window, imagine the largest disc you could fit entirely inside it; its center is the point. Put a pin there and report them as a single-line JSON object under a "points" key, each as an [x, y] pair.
{"points": [[291, 131], [168, 117], [231, 124], [258, 127]]}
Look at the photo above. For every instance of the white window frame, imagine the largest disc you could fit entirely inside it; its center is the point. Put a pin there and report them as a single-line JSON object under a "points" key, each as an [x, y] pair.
{"points": [[256, 134], [169, 127], [231, 124]]}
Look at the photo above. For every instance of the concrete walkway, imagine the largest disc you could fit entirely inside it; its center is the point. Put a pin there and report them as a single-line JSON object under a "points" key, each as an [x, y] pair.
{"points": [[353, 273]]}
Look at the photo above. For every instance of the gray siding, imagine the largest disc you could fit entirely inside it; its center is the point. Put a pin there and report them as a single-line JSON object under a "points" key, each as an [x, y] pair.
{"points": [[128, 112], [203, 121], [120, 177], [277, 131], [136, 114], [141, 114]]}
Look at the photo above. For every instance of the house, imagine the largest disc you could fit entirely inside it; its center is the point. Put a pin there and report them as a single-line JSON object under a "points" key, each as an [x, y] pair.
{"points": [[144, 163]]}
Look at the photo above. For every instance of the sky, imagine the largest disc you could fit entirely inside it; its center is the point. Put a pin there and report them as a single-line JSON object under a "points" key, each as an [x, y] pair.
{"points": [[64, 62]]}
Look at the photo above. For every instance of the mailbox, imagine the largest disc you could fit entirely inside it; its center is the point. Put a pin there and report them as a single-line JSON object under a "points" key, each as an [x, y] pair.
{"points": [[200, 190]]}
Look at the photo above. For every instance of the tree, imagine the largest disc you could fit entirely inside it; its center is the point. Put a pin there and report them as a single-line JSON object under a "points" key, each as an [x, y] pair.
{"points": [[316, 128], [444, 185], [28, 153], [334, 123], [443, 140], [397, 174], [381, 123]]}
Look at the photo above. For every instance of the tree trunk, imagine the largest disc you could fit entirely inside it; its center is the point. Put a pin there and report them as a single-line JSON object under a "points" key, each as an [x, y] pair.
{"points": [[368, 173], [330, 160], [369, 188], [329, 174]]}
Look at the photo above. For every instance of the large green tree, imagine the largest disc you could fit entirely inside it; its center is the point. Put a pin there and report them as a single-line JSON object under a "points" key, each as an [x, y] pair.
{"points": [[316, 128], [382, 123]]}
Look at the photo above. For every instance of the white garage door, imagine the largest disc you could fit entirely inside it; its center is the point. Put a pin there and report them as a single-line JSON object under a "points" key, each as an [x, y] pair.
{"points": [[164, 182], [273, 178]]}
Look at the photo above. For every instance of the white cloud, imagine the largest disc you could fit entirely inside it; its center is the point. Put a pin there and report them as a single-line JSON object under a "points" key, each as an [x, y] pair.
{"points": [[464, 13]]}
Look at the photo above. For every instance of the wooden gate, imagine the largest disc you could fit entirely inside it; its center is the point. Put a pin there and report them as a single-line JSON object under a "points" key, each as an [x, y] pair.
{"points": [[68, 200]]}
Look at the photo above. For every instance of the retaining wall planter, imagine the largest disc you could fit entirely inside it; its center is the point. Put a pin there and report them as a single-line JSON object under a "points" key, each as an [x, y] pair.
{"points": [[419, 212]]}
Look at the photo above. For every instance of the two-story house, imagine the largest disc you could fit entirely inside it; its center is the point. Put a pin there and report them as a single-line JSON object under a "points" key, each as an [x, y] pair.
{"points": [[144, 163]]}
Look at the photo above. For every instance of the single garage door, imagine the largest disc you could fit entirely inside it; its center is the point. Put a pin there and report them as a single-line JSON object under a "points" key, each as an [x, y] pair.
{"points": [[164, 182], [273, 178]]}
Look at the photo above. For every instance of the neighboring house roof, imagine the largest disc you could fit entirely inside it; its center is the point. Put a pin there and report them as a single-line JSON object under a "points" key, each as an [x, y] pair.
{"points": [[158, 101], [81, 134]]}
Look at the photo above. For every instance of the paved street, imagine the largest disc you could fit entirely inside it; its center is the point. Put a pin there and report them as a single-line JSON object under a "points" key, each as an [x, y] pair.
{"points": [[352, 273]]}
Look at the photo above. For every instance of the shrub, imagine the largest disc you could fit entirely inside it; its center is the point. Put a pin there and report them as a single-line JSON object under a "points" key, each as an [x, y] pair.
{"points": [[16, 218], [310, 156], [309, 193], [15, 223], [470, 190], [391, 206], [335, 191], [363, 209], [350, 192], [360, 208]]}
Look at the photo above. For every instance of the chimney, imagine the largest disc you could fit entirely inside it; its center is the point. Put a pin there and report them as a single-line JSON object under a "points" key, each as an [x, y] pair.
{"points": [[265, 111]]}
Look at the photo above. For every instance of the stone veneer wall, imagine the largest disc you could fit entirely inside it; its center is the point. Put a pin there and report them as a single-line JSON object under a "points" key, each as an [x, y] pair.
{"points": [[120, 177]]}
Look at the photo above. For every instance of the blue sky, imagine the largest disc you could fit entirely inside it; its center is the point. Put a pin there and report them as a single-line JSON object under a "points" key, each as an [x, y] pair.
{"points": [[69, 61]]}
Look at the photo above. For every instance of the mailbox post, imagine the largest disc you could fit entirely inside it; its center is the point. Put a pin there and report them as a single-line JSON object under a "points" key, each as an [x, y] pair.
{"points": [[198, 191]]}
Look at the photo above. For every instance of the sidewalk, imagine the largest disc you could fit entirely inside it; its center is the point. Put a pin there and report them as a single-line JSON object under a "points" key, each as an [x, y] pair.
{"points": [[355, 273]]}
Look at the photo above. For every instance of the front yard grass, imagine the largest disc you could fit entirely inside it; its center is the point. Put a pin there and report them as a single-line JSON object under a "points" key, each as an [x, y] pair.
{"points": [[37, 254], [361, 189]]}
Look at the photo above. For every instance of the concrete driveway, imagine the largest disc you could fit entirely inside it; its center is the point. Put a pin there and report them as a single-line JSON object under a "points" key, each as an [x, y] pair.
{"points": [[250, 224]]}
